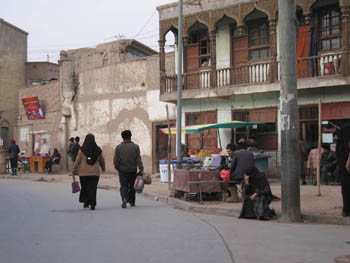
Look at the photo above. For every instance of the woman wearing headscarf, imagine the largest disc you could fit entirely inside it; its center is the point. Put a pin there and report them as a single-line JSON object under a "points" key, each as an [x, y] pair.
{"points": [[87, 166], [256, 196], [343, 154]]}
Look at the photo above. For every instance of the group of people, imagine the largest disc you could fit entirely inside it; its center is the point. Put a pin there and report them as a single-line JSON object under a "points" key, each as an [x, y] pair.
{"points": [[256, 194], [89, 160]]}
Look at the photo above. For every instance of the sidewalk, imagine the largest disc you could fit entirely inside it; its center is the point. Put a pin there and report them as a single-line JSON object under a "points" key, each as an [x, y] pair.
{"points": [[324, 209]]}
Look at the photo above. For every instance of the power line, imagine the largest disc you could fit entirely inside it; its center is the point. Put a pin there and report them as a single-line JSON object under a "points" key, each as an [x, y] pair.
{"points": [[145, 24]]}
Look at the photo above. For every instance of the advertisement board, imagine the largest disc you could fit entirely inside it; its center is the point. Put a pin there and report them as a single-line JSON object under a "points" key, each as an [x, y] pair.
{"points": [[32, 108]]}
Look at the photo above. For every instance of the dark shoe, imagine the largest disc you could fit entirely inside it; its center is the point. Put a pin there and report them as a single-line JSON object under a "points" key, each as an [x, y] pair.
{"points": [[132, 204], [303, 182], [86, 205], [92, 207], [124, 205]]}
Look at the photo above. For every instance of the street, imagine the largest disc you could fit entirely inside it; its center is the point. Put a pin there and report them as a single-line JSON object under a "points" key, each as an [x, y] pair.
{"points": [[43, 222]]}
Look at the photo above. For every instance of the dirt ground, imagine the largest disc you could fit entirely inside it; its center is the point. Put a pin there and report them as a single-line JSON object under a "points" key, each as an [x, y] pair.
{"points": [[319, 209]]}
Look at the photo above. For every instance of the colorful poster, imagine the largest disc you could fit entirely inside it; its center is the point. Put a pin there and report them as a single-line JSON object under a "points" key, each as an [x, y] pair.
{"points": [[32, 108]]}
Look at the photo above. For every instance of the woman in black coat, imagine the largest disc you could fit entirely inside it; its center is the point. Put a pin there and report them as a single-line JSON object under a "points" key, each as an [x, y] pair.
{"points": [[342, 150], [256, 196]]}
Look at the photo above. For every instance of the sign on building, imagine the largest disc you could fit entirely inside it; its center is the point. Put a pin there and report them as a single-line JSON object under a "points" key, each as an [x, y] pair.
{"points": [[32, 108]]}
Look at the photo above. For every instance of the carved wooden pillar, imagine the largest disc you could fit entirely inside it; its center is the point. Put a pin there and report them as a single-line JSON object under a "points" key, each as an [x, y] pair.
{"points": [[273, 44], [345, 16], [212, 40], [162, 65]]}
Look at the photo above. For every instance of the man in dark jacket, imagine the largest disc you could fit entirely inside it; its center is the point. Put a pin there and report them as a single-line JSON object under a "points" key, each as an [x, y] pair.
{"points": [[127, 159], [13, 151], [75, 149], [242, 160]]}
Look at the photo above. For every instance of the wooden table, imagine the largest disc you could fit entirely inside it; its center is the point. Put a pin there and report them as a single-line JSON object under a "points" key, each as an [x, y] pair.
{"points": [[37, 163]]}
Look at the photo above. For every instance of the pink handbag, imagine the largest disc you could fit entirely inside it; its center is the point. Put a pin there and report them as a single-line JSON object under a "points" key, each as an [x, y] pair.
{"points": [[75, 186]]}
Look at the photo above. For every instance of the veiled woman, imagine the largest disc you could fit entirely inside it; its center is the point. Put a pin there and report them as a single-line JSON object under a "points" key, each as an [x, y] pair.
{"points": [[256, 196], [87, 166]]}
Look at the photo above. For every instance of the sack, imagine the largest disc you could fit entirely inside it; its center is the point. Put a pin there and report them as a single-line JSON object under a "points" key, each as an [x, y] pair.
{"points": [[138, 186], [225, 175], [75, 186]]}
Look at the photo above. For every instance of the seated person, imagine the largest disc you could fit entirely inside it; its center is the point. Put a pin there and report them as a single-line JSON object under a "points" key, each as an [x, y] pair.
{"points": [[229, 163], [55, 159], [256, 196], [328, 162]]}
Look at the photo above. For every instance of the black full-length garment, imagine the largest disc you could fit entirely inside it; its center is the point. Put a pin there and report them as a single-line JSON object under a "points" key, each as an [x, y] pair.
{"points": [[127, 191], [88, 189]]}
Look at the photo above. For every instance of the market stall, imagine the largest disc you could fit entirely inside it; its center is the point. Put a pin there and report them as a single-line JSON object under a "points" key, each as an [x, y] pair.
{"points": [[200, 173]]}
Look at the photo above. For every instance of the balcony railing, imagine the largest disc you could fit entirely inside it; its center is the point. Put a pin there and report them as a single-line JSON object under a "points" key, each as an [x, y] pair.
{"points": [[255, 73]]}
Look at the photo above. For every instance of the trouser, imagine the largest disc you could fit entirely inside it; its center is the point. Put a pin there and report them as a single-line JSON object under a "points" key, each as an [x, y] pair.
{"points": [[70, 163], [48, 165], [88, 189], [127, 191], [324, 174], [345, 191], [13, 162]]}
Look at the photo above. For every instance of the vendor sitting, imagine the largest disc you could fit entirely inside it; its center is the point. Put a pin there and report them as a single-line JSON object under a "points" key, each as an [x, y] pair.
{"points": [[55, 159], [256, 196], [328, 162]]}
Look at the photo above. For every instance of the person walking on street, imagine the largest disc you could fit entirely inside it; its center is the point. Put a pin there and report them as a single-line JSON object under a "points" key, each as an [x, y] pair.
{"points": [[127, 159], [87, 166], [13, 152], [75, 148], [343, 151], [70, 146]]}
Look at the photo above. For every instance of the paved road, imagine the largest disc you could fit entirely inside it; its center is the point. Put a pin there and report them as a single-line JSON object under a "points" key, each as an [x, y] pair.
{"points": [[43, 222]]}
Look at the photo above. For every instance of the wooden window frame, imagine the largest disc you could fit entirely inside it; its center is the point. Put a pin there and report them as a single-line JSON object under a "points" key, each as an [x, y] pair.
{"points": [[257, 25], [330, 26], [200, 34]]}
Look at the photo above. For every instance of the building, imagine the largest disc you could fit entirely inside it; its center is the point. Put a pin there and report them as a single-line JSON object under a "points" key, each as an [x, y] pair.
{"points": [[13, 55], [41, 72], [114, 87], [40, 135], [231, 68]]}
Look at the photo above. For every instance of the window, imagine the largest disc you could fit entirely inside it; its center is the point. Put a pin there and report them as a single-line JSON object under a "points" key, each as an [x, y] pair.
{"points": [[201, 38], [329, 29], [193, 119], [258, 40], [308, 113], [241, 115]]}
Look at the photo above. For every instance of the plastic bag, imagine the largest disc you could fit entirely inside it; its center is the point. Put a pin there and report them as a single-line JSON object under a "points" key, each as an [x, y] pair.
{"points": [[75, 186], [225, 175], [138, 186]]}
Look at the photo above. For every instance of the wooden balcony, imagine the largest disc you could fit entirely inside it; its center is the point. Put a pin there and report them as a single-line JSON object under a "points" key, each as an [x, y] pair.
{"points": [[255, 74]]}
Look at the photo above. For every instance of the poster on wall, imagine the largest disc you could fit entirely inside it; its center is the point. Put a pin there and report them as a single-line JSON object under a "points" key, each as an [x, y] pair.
{"points": [[41, 143], [32, 108]]}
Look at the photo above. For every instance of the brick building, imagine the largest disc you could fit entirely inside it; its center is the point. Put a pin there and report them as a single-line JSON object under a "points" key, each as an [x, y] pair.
{"points": [[13, 55], [231, 68]]}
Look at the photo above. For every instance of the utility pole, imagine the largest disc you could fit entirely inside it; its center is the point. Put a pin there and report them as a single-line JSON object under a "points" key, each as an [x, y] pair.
{"points": [[179, 88], [290, 152]]}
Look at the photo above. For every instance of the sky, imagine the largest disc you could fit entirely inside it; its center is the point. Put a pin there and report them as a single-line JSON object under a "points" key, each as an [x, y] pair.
{"points": [[72, 24]]}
